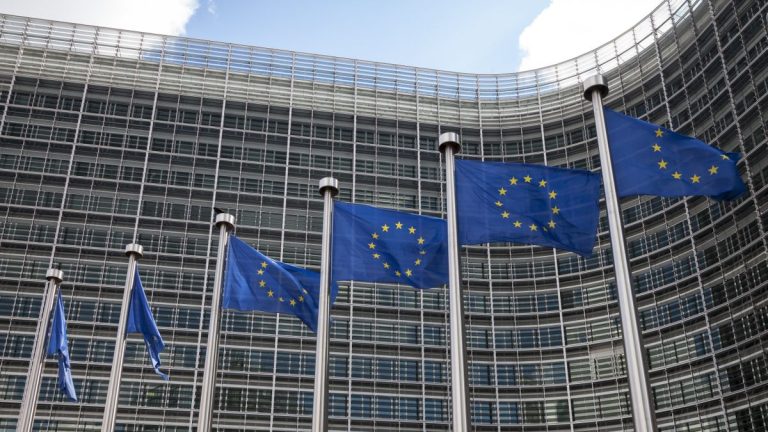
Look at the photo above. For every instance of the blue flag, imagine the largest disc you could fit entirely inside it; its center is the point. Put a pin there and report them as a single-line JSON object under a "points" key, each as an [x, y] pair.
{"points": [[377, 245], [651, 160], [140, 320], [530, 204], [253, 281], [58, 345]]}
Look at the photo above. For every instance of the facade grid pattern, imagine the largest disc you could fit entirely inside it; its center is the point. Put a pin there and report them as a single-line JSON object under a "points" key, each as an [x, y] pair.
{"points": [[109, 137]]}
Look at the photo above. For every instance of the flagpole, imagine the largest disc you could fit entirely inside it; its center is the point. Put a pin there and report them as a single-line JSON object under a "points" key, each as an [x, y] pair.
{"points": [[449, 146], [643, 414], [54, 277], [134, 252], [225, 222], [329, 187]]}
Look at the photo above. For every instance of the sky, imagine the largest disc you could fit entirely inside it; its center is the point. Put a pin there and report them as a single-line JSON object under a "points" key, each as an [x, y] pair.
{"points": [[478, 36]]}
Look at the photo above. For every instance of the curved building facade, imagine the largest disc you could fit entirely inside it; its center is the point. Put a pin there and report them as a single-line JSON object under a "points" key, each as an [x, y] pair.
{"points": [[107, 136]]}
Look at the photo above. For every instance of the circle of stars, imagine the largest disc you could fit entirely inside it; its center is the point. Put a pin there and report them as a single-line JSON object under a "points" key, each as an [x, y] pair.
{"points": [[389, 266], [517, 223], [271, 293]]}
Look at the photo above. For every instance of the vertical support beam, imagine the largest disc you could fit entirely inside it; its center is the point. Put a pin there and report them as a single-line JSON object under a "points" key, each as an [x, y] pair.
{"points": [[225, 222], [329, 187], [449, 146], [643, 414], [34, 376], [134, 252]]}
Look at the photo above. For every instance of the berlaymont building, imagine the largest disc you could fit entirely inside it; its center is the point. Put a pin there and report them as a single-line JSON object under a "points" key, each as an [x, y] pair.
{"points": [[109, 135]]}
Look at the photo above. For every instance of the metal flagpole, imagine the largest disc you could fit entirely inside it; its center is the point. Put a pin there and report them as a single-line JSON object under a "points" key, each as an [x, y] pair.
{"points": [[134, 252], [34, 376], [225, 222], [644, 417], [329, 187], [449, 146]]}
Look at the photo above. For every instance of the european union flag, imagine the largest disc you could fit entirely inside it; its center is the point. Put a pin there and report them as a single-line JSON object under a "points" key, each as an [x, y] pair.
{"points": [[58, 345], [651, 160], [377, 245], [140, 320], [523, 203], [253, 281]]}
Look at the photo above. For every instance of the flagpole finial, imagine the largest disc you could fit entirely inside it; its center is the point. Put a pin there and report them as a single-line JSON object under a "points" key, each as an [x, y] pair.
{"points": [[225, 218], [134, 249], [54, 274], [329, 183], [449, 139], [595, 82]]}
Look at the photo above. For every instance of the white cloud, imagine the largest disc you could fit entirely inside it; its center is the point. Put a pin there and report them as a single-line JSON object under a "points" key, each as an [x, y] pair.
{"points": [[212, 7], [568, 28], [167, 17]]}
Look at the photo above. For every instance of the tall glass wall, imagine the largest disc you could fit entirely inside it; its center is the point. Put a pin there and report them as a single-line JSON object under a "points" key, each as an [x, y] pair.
{"points": [[110, 136]]}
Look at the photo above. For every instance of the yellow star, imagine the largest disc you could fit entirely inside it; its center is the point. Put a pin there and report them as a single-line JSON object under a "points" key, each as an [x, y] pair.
{"points": [[712, 170], [293, 302], [513, 181], [385, 228], [386, 265], [422, 252], [533, 227], [659, 133], [262, 284], [724, 157], [304, 291], [261, 271], [498, 203], [408, 272], [527, 179], [695, 179], [281, 299], [518, 224], [417, 262], [411, 230], [301, 298], [397, 273], [421, 240], [398, 225], [375, 236], [505, 215], [677, 175], [543, 183], [656, 148], [551, 224], [552, 194], [270, 293], [376, 256], [555, 210], [371, 245], [264, 264], [662, 164], [502, 191]]}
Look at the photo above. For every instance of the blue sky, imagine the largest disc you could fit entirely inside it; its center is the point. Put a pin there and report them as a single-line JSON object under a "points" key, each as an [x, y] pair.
{"points": [[481, 36]]}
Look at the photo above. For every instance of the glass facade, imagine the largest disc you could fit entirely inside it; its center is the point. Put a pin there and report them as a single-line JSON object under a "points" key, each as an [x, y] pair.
{"points": [[110, 136]]}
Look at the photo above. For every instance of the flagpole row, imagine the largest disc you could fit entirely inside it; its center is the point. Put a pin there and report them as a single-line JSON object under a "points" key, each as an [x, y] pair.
{"points": [[449, 146], [225, 222], [134, 252], [595, 88], [329, 187], [34, 375]]}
